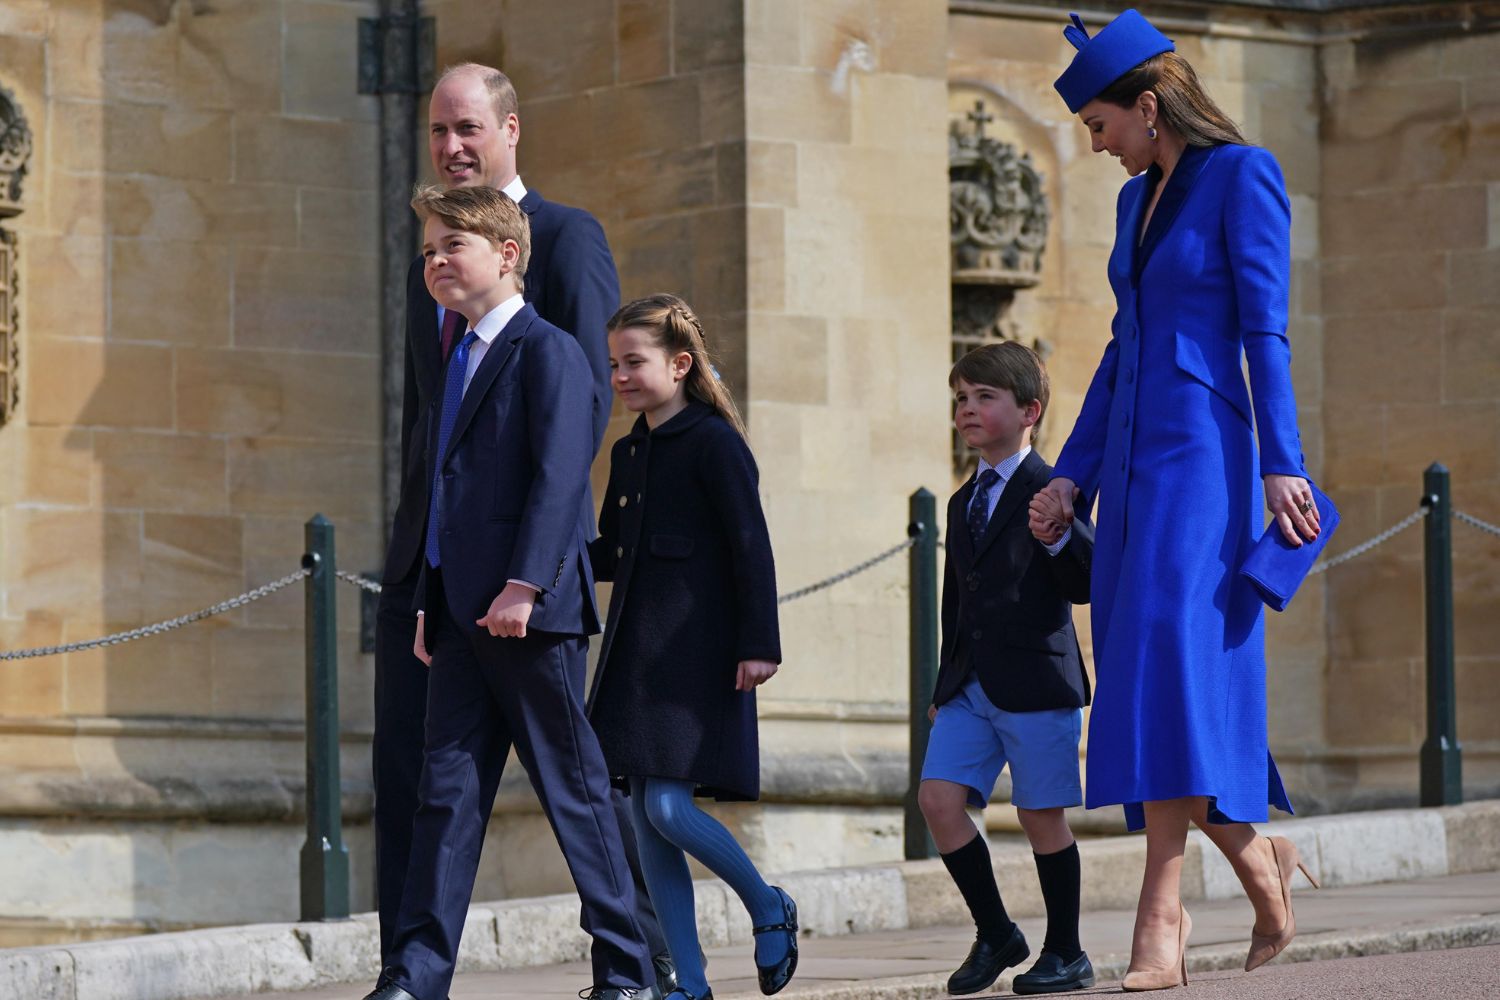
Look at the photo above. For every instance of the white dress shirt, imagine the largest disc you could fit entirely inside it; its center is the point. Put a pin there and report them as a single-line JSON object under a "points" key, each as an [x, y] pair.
{"points": [[487, 329], [1005, 470]]}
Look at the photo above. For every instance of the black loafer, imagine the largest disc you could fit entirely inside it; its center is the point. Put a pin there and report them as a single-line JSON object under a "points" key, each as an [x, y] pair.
{"points": [[666, 974], [986, 961], [682, 994], [388, 991], [1051, 974], [773, 978]]}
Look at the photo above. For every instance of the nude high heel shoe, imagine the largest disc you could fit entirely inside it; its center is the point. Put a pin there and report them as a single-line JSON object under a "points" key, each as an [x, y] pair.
{"points": [[1164, 979], [1264, 947]]}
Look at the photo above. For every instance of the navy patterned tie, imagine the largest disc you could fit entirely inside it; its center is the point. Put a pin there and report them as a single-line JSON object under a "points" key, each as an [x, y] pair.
{"points": [[979, 507], [453, 396]]}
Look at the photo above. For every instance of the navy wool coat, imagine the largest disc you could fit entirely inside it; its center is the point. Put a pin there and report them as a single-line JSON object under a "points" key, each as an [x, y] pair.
{"points": [[684, 540]]}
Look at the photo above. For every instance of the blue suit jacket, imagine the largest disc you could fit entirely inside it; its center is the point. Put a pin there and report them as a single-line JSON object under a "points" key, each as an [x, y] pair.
{"points": [[516, 497], [572, 283]]}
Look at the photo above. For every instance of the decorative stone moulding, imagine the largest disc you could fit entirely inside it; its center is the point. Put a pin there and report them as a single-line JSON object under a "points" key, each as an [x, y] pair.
{"points": [[15, 153], [997, 208]]}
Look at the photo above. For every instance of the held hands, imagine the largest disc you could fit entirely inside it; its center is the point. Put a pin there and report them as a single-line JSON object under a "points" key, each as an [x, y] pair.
{"points": [[1290, 499], [1051, 510], [753, 673], [419, 647], [509, 612]]}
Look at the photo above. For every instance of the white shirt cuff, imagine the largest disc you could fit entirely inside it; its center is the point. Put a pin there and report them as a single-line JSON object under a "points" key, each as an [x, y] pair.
{"points": [[1060, 544], [530, 585]]}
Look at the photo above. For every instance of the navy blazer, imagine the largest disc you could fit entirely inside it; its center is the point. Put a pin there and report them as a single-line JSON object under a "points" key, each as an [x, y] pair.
{"points": [[516, 498], [572, 283], [1006, 603]]}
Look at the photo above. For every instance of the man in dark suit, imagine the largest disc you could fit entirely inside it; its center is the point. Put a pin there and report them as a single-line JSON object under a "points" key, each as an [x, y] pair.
{"points": [[505, 601], [1011, 685], [473, 132]]}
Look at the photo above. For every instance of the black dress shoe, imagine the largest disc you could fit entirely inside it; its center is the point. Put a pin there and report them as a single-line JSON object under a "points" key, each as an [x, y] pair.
{"points": [[681, 994], [666, 974], [620, 993], [1051, 974], [388, 991], [773, 978], [986, 961]]}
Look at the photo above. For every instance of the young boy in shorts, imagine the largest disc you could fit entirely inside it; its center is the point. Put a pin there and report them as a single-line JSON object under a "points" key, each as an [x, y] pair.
{"points": [[1011, 685]]}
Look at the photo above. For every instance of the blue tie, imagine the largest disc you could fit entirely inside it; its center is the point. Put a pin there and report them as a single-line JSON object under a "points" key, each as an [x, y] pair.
{"points": [[453, 396], [979, 509]]}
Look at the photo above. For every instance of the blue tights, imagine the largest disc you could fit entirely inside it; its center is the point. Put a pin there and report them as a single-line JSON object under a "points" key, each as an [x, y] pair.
{"points": [[667, 824]]}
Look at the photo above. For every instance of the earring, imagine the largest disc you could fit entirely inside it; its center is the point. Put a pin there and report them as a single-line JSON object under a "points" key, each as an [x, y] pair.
{"points": [[1150, 130]]}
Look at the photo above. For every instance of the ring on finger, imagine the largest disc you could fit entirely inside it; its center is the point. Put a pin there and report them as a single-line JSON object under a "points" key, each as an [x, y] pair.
{"points": [[1305, 506]]}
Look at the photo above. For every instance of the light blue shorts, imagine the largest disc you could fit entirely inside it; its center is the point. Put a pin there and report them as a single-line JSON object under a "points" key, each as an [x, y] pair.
{"points": [[972, 741]]}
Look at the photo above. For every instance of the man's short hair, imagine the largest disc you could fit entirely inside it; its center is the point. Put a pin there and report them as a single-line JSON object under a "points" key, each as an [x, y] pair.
{"points": [[1009, 366], [502, 92], [480, 210]]}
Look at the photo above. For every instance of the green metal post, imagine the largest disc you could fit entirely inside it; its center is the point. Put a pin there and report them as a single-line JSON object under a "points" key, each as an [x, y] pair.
{"points": [[924, 660], [1442, 758], [325, 859]]}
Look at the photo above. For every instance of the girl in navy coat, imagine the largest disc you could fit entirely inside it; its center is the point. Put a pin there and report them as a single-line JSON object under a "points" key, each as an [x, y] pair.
{"points": [[1167, 441], [692, 630]]}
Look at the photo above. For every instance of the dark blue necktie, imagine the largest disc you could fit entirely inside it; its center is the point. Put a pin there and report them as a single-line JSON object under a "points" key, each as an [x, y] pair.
{"points": [[453, 396], [979, 507]]}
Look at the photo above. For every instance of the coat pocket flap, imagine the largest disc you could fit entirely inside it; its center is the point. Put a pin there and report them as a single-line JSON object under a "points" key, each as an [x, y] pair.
{"points": [[1228, 383], [671, 546], [1043, 640]]}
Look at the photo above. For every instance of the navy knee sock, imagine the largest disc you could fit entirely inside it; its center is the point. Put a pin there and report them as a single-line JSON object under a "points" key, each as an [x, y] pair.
{"points": [[1060, 874], [670, 809], [975, 877], [670, 884]]}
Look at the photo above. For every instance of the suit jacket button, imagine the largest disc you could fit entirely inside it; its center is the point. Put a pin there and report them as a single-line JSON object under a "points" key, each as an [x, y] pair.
{"points": [[977, 634], [639, 497], [620, 552], [632, 451], [973, 585], [624, 500]]}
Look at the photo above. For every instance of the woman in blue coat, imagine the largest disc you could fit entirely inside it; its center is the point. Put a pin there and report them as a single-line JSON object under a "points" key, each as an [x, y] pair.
{"points": [[1167, 442]]}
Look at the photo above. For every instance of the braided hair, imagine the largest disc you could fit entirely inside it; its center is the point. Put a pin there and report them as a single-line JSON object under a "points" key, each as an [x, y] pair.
{"points": [[675, 329]]}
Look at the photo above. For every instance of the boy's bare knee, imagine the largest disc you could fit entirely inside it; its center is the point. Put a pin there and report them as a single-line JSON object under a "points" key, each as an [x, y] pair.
{"points": [[1046, 829]]}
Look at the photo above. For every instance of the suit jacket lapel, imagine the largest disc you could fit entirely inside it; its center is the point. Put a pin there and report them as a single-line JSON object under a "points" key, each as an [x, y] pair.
{"points": [[484, 376], [1018, 487], [426, 342], [1189, 168], [961, 548]]}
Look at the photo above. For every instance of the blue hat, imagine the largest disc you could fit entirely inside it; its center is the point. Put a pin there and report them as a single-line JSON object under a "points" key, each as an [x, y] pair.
{"points": [[1119, 47]]}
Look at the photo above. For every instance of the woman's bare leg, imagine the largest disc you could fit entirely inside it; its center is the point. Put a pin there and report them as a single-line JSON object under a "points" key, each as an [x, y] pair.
{"points": [[1154, 944], [1254, 864]]}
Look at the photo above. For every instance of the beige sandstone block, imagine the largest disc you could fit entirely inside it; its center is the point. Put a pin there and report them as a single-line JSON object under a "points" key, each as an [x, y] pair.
{"points": [[301, 478], [280, 150], [719, 271], [163, 675], [78, 565], [899, 112], [773, 32], [1421, 151], [321, 62], [234, 214], [836, 446], [169, 291], [1471, 356], [789, 358], [162, 472], [230, 55], [707, 34], [1374, 703], [31, 688], [82, 383], [1373, 111], [769, 262], [776, 439], [1376, 612], [644, 40], [771, 174], [1307, 288], [905, 38], [556, 133], [188, 562], [76, 40], [1433, 218], [139, 55], [818, 278], [473, 31], [330, 219], [1463, 436], [722, 102], [58, 464], [273, 548], [791, 103], [659, 116], [1295, 687], [653, 254], [1392, 281], [1379, 356], [683, 180], [860, 370], [258, 673], [75, 205], [143, 139], [1475, 676], [1306, 337], [305, 300], [731, 164], [1494, 190], [1354, 448], [558, 48], [1474, 278], [1396, 60], [1476, 54], [281, 393], [25, 17], [987, 39]]}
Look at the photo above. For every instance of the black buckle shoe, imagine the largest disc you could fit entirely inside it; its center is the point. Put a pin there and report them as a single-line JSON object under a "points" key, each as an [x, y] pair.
{"points": [[986, 961], [620, 993], [388, 991], [773, 978], [1051, 974]]}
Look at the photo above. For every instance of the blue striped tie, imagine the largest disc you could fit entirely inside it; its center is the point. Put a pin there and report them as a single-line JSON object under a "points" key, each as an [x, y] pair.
{"points": [[453, 396], [979, 509]]}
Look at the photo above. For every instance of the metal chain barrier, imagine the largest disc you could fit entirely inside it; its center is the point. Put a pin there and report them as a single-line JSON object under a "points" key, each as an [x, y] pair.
{"points": [[362, 582], [854, 570], [1475, 522], [265, 590], [1380, 539]]}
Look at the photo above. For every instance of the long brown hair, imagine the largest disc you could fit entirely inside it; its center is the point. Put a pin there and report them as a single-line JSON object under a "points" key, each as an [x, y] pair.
{"points": [[676, 329], [1182, 103]]}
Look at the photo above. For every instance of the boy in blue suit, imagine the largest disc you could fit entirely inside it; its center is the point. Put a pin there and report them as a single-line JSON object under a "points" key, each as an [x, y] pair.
{"points": [[506, 603], [1011, 685]]}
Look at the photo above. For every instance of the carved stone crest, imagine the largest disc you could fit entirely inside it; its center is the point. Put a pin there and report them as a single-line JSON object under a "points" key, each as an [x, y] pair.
{"points": [[15, 153]]}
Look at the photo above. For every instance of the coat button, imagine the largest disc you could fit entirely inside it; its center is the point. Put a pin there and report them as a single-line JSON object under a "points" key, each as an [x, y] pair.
{"points": [[977, 634], [619, 552], [639, 497], [632, 451], [624, 500], [1125, 420], [1129, 375], [973, 585]]}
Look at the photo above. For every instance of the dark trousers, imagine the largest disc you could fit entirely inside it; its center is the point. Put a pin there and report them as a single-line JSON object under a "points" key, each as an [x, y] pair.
{"points": [[485, 694]]}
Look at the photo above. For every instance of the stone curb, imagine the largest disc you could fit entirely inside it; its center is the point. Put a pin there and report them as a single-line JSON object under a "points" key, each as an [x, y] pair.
{"points": [[1352, 849]]}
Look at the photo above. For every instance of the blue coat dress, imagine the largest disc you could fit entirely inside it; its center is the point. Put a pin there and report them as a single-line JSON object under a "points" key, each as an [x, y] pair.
{"points": [[1166, 442]]}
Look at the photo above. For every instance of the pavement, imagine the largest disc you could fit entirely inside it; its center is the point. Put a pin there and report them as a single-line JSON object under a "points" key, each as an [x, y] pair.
{"points": [[1432, 937]]}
